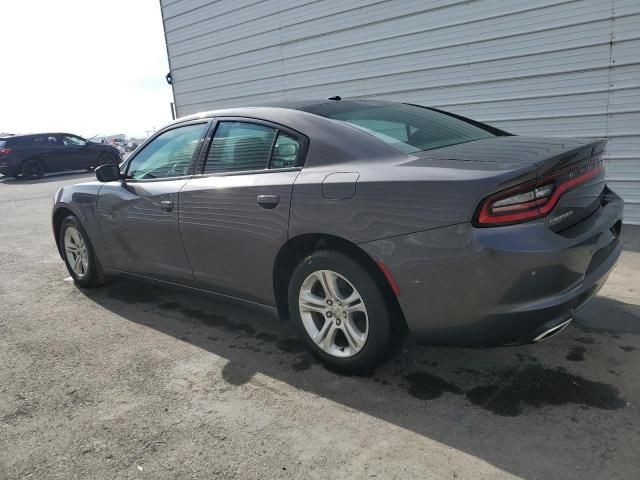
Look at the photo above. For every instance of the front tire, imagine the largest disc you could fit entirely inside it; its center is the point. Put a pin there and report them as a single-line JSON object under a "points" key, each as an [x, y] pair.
{"points": [[78, 254], [340, 311]]}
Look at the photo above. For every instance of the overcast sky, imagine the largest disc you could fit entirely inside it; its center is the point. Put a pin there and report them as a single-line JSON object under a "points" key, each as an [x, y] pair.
{"points": [[83, 66]]}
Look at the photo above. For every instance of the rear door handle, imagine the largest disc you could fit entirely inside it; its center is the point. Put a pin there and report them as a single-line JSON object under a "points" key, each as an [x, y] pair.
{"points": [[166, 205], [268, 201]]}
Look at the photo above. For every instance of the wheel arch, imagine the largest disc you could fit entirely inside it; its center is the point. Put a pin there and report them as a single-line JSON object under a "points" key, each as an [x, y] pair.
{"points": [[56, 222], [35, 158], [297, 248]]}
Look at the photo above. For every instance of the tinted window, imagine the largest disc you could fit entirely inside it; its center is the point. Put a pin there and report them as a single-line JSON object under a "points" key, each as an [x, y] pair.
{"points": [[239, 146], [285, 152], [405, 127], [167, 155], [45, 141]]}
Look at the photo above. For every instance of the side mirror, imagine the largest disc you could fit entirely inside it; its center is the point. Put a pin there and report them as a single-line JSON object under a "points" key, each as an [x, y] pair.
{"points": [[108, 173]]}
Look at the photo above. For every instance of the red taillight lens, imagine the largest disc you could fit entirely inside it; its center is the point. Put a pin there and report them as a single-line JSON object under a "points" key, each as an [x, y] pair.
{"points": [[534, 199], [5, 151]]}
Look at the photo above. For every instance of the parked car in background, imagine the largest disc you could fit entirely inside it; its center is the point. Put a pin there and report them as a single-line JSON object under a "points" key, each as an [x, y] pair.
{"points": [[31, 156], [131, 146], [354, 219]]}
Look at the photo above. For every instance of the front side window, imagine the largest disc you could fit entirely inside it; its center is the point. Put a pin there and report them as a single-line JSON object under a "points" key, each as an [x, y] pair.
{"points": [[69, 140], [408, 128], [167, 155], [239, 146]]}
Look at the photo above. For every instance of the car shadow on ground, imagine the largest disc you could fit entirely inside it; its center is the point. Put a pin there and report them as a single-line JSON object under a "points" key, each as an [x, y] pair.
{"points": [[50, 177], [471, 400]]}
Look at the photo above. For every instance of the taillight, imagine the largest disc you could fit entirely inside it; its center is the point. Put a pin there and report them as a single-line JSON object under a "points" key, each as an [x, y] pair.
{"points": [[533, 199], [5, 151]]}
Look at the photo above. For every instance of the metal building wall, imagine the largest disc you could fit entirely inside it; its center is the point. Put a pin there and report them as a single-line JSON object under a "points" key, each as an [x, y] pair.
{"points": [[536, 67]]}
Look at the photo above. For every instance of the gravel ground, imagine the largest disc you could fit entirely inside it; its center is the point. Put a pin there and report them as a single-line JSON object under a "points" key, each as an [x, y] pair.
{"points": [[135, 381]]}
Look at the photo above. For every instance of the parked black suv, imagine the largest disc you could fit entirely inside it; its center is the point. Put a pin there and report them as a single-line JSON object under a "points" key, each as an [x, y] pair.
{"points": [[34, 155]]}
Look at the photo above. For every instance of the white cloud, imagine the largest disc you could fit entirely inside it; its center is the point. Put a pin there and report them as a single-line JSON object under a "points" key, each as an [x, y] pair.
{"points": [[84, 66]]}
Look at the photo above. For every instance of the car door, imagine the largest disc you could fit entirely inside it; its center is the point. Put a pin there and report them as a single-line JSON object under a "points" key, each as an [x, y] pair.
{"points": [[47, 148], [234, 214], [138, 216], [77, 152]]}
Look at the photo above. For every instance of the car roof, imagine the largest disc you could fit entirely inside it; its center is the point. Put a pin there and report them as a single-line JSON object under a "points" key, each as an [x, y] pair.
{"points": [[285, 104], [22, 135]]}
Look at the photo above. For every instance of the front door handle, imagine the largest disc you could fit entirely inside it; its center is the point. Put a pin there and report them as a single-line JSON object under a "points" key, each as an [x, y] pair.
{"points": [[166, 205], [268, 201]]}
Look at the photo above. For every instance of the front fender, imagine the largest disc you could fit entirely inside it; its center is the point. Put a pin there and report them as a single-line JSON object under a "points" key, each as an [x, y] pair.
{"points": [[81, 201]]}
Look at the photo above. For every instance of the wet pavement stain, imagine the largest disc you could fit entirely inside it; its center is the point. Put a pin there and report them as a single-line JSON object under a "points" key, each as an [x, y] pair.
{"points": [[585, 340], [267, 337], [210, 319], [302, 363], [576, 354], [290, 345], [536, 386], [169, 306], [628, 348], [425, 386], [470, 371]]}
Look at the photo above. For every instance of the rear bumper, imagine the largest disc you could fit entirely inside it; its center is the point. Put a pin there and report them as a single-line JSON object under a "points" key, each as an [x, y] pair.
{"points": [[9, 166], [6, 170], [467, 286]]}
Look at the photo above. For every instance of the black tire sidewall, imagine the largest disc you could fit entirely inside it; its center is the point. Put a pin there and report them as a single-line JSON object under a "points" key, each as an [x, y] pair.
{"points": [[378, 338], [93, 275], [32, 161]]}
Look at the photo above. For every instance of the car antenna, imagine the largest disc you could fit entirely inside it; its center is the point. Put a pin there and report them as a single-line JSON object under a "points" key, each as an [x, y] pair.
{"points": [[336, 98]]}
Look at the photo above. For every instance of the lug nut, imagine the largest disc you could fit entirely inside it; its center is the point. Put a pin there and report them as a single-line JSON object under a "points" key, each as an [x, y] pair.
{"points": [[344, 314], [328, 314], [329, 302], [339, 303], [338, 322]]}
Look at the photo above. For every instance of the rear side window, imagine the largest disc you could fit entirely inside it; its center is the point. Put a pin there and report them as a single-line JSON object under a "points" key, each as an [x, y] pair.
{"points": [[408, 128], [285, 152], [239, 146], [45, 141]]}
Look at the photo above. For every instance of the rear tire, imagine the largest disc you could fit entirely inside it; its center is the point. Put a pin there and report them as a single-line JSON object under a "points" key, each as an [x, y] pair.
{"points": [[349, 328], [78, 254], [32, 168]]}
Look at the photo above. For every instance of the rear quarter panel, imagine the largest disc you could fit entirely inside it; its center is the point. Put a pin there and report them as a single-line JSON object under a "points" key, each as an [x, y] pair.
{"points": [[397, 196]]}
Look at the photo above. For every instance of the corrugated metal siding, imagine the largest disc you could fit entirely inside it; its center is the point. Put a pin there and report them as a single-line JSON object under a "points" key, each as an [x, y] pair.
{"points": [[561, 67]]}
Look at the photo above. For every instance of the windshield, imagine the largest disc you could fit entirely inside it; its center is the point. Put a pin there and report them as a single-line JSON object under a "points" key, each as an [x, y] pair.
{"points": [[408, 128]]}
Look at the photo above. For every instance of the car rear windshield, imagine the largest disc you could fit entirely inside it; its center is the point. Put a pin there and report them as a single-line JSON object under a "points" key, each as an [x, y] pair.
{"points": [[408, 128]]}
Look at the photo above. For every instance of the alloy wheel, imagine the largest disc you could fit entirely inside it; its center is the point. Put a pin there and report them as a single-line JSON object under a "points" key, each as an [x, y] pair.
{"points": [[333, 313], [76, 250]]}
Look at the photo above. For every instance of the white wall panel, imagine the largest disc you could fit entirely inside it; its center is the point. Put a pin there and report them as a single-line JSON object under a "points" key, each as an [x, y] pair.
{"points": [[536, 67]]}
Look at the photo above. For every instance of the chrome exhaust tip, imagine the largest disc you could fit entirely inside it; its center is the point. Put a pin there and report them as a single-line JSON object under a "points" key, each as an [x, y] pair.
{"points": [[550, 332]]}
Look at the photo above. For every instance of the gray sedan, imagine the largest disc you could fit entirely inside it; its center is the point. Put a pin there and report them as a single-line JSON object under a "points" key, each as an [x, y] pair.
{"points": [[356, 219]]}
